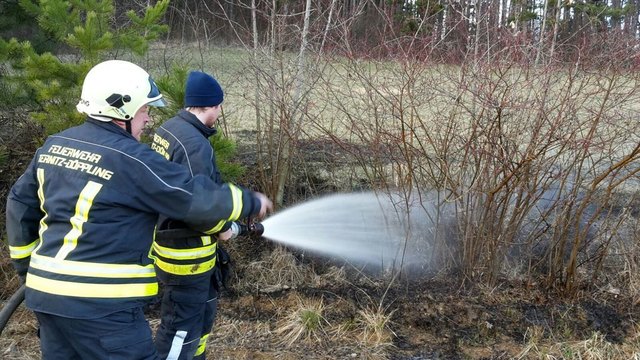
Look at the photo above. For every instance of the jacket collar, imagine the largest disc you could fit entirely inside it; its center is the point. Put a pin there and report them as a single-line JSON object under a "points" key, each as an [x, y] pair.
{"points": [[109, 126], [193, 120]]}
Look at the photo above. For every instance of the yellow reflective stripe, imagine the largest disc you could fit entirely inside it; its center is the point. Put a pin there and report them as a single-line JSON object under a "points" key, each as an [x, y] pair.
{"points": [[216, 228], [236, 211], [206, 240], [83, 205], [21, 252], [202, 346], [82, 268], [150, 254], [185, 254], [43, 224], [185, 269], [236, 196], [68, 288]]}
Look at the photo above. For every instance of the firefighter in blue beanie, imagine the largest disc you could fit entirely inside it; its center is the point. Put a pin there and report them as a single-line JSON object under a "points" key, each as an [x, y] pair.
{"points": [[189, 268], [81, 219]]}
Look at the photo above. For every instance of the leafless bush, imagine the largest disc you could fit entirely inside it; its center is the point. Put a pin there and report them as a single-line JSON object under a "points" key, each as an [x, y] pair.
{"points": [[525, 155], [530, 157]]}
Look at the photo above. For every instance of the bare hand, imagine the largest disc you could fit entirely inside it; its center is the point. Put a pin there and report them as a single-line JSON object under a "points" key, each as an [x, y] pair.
{"points": [[266, 205], [225, 235]]}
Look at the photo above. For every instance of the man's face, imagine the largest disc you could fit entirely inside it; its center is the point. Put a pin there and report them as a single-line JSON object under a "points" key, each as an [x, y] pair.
{"points": [[211, 115], [139, 121]]}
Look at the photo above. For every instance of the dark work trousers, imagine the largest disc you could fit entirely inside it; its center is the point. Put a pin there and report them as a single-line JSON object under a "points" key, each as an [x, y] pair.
{"points": [[188, 311], [123, 335]]}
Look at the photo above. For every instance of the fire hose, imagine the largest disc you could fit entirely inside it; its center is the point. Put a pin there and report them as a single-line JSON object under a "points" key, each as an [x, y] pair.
{"points": [[239, 229], [10, 307]]}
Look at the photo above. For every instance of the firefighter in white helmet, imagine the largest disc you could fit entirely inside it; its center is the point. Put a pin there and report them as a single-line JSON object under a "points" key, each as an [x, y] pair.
{"points": [[80, 220]]}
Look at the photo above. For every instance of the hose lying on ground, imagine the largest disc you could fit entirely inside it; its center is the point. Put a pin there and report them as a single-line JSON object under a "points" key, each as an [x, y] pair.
{"points": [[10, 307]]}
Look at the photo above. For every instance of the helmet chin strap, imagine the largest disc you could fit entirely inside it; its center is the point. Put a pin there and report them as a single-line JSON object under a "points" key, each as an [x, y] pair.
{"points": [[128, 127]]}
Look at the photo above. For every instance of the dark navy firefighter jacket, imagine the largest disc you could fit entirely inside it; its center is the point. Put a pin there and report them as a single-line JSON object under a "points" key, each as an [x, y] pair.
{"points": [[81, 218], [184, 139]]}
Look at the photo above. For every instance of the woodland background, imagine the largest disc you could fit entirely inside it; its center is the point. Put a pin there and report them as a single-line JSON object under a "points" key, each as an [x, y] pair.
{"points": [[518, 120]]}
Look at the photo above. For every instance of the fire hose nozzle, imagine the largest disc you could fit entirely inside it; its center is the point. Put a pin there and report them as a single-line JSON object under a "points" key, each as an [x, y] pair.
{"points": [[256, 229], [252, 229]]}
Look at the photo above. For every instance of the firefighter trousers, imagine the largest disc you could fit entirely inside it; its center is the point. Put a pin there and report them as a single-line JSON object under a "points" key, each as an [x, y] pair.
{"points": [[188, 312], [123, 335]]}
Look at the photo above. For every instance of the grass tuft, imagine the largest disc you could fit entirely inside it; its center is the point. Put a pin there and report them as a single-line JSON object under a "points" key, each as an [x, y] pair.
{"points": [[278, 270], [374, 325], [303, 323]]}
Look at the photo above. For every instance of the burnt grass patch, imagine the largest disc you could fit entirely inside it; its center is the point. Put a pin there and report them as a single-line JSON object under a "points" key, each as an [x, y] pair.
{"points": [[434, 320]]}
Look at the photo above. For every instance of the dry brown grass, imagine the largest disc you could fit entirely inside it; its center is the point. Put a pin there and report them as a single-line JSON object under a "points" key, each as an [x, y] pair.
{"points": [[233, 333], [374, 326], [303, 323], [334, 276], [19, 340], [595, 347], [277, 270], [370, 331]]}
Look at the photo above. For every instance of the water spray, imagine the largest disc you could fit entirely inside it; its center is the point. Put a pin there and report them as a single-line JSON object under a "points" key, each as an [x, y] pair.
{"points": [[381, 231]]}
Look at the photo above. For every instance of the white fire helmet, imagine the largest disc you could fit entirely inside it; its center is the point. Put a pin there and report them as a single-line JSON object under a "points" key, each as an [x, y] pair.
{"points": [[117, 89]]}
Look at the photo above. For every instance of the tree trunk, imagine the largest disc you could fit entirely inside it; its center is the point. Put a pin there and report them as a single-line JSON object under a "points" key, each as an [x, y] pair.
{"points": [[556, 28], [542, 32], [296, 114], [326, 29], [254, 28]]}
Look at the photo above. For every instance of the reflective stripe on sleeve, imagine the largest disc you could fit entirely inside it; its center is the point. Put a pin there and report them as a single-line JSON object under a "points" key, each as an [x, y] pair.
{"points": [[216, 228], [236, 211], [236, 195], [68, 288], [21, 252]]}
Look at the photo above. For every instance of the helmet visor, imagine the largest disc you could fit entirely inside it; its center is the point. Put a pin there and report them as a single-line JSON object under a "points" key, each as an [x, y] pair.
{"points": [[158, 103], [154, 95]]}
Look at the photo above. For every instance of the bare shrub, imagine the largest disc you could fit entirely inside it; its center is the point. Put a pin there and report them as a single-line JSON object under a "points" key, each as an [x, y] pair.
{"points": [[522, 153], [528, 157]]}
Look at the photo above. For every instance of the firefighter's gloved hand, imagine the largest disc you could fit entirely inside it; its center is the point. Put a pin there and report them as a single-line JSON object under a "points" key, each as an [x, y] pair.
{"points": [[223, 268]]}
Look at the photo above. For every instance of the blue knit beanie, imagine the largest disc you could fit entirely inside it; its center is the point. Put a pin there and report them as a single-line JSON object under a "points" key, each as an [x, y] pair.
{"points": [[202, 90]]}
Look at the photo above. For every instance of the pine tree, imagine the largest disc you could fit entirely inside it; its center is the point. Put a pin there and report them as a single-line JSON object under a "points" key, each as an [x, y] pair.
{"points": [[47, 85]]}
